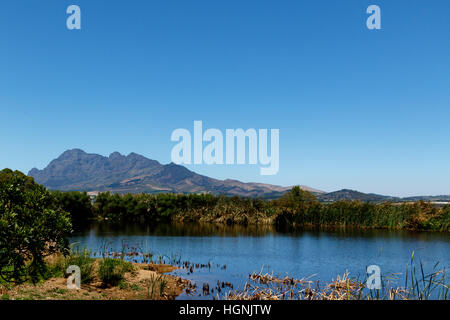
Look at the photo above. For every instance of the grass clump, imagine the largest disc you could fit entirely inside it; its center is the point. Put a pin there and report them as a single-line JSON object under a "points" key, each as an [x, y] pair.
{"points": [[112, 271], [155, 286], [77, 257]]}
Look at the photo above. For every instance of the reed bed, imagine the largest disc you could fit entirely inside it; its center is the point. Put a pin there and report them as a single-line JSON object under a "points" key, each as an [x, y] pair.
{"points": [[296, 208], [419, 285]]}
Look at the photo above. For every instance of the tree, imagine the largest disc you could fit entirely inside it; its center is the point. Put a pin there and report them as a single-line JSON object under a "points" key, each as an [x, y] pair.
{"points": [[297, 199], [31, 227], [78, 204], [297, 206]]}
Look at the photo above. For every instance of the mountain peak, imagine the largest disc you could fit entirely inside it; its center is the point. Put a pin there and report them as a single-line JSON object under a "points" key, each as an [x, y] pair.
{"points": [[72, 153], [134, 155], [116, 155]]}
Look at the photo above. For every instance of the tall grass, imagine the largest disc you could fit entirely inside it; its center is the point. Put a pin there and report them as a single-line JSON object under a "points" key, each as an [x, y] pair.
{"points": [[423, 285], [80, 257], [155, 285], [112, 271], [409, 216]]}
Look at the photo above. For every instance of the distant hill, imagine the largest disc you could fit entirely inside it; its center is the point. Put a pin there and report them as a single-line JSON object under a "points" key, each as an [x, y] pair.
{"points": [[76, 170], [347, 194], [443, 198]]}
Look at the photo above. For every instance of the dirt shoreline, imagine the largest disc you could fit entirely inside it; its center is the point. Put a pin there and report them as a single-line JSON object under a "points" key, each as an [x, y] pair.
{"points": [[140, 284]]}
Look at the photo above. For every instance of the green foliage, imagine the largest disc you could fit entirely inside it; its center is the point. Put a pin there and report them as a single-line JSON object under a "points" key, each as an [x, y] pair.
{"points": [[31, 227], [148, 208], [296, 208], [111, 271], [443, 220], [78, 204], [77, 257]]}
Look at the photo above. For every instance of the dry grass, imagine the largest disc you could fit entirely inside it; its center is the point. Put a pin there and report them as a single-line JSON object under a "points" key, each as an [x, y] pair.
{"points": [[269, 287]]}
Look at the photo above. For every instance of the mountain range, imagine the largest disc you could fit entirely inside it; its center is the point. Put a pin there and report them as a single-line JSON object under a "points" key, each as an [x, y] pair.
{"points": [[76, 170]]}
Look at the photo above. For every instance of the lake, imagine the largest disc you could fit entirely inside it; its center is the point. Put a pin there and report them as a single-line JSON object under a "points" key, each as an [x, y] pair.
{"points": [[233, 252]]}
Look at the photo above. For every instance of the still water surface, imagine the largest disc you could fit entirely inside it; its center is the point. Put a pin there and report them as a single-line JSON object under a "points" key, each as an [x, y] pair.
{"points": [[234, 252]]}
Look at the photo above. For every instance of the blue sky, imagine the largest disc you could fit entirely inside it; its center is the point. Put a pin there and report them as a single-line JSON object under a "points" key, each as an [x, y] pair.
{"points": [[360, 109]]}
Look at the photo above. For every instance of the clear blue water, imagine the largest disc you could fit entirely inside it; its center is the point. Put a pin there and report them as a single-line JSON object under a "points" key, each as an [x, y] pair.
{"points": [[243, 250]]}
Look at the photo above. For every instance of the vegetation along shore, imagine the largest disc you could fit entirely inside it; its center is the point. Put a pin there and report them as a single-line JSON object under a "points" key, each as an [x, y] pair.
{"points": [[35, 225], [297, 208]]}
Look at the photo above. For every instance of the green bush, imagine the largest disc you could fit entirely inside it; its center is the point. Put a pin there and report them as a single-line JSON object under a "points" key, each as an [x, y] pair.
{"points": [[78, 204], [31, 228], [77, 257], [111, 271]]}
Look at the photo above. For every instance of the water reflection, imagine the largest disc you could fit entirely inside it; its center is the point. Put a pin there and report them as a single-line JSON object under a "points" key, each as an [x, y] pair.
{"points": [[207, 229], [299, 253]]}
